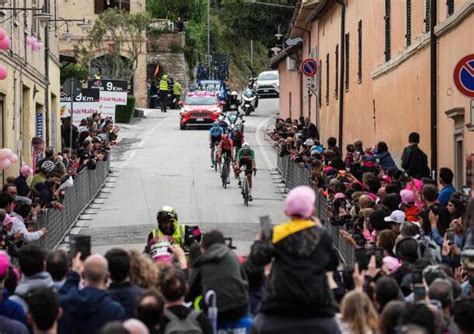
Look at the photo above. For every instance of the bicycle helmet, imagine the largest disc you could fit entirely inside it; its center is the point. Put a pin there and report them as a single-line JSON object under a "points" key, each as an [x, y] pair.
{"points": [[216, 123], [224, 137], [47, 166], [245, 146]]}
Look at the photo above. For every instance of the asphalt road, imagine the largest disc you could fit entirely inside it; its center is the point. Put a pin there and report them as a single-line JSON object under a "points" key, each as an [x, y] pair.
{"points": [[157, 164]]}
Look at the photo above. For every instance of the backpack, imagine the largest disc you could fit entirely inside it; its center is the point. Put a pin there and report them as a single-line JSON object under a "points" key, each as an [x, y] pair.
{"points": [[429, 250], [188, 325]]}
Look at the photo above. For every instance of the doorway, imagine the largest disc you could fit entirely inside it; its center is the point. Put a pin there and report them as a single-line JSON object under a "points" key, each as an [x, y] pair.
{"points": [[458, 161]]}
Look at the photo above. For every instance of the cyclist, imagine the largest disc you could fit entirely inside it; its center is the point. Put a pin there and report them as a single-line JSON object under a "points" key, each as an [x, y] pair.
{"points": [[246, 157], [215, 135], [226, 146], [170, 229], [237, 137]]}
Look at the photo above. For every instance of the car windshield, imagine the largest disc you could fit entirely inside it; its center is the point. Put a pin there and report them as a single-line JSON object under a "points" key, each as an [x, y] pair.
{"points": [[268, 76], [200, 100]]}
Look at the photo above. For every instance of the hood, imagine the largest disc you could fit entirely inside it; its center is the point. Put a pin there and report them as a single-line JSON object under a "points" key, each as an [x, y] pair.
{"points": [[32, 282], [216, 253], [84, 303], [201, 107]]}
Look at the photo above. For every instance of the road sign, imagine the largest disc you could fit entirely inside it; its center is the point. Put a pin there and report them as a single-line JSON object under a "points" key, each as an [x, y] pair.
{"points": [[309, 67], [464, 76], [108, 85]]}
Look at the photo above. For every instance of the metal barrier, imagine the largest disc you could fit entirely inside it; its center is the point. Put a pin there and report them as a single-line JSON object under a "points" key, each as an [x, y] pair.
{"points": [[58, 222], [295, 175]]}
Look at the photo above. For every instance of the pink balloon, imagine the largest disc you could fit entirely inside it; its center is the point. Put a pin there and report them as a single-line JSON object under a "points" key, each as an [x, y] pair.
{"points": [[38, 46], [29, 40], [5, 164], [13, 158], [2, 33], [5, 43], [5, 153], [3, 73]]}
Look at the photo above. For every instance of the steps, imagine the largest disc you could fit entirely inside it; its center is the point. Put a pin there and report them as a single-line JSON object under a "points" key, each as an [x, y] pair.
{"points": [[173, 64]]}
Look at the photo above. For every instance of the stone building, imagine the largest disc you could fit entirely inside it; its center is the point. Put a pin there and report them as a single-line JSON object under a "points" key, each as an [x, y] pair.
{"points": [[386, 69], [89, 11], [29, 95]]}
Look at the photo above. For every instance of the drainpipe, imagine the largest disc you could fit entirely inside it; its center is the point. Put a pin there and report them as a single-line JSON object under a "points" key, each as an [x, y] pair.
{"points": [[341, 78], [434, 88], [46, 92]]}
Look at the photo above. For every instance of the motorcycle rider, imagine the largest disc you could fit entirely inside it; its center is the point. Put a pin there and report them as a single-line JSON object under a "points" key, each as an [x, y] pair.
{"points": [[246, 157], [169, 227], [164, 86], [215, 135], [233, 100], [251, 85]]}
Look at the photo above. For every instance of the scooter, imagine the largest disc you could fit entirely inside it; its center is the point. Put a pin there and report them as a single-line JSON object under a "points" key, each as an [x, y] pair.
{"points": [[249, 100]]}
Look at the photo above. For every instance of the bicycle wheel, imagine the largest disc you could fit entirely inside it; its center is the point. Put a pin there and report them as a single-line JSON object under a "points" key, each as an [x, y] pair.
{"points": [[245, 191], [225, 174]]}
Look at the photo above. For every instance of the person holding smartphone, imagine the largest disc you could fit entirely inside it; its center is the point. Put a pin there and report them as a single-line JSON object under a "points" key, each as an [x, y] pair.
{"points": [[301, 252]]}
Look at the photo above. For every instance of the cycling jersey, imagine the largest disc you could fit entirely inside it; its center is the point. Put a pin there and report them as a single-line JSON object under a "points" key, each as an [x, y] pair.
{"points": [[226, 145], [248, 156], [216, 131]]}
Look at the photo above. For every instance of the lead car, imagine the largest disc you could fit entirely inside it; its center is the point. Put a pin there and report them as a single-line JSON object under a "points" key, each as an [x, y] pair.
{"points": [[199, 109]]}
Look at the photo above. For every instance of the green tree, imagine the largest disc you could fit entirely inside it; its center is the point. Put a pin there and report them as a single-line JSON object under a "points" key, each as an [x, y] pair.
{"points": [[172, 9], [121, 36]]}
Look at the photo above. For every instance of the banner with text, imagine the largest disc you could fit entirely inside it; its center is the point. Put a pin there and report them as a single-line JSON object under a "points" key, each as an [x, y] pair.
{"points": [[84, 105], [112, 93]]}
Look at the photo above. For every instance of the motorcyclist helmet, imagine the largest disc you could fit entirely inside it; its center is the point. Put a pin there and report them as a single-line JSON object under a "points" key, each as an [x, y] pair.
{"points": [[167, 218], [234, 93], [245, 146]]}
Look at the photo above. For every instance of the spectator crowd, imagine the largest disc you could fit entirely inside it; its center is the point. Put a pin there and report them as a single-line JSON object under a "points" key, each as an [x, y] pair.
{"points": [[413, 270]]}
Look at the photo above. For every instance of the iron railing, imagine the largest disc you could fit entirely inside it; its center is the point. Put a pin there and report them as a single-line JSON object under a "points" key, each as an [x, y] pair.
{"points": [[295, 175], [58, 222]]}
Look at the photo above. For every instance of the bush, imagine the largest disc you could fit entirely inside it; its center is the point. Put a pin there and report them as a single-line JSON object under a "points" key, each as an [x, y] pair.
{"points": [[123, 114]]}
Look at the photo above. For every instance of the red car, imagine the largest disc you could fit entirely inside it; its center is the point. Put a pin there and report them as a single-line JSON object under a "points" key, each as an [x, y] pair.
{"points": [[199, 108]]}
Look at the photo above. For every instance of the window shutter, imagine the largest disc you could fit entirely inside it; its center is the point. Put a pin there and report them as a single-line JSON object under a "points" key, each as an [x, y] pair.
{"points": [[359, 52], [408, 23], [387, 30], [450, 4], [336, 72], [346, 72], [98, 6], [327, 78], [427, 15]]}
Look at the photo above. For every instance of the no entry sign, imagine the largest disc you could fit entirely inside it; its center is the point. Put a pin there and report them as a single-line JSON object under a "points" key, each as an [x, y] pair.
{"points": [[464, 76], [309, 67]]}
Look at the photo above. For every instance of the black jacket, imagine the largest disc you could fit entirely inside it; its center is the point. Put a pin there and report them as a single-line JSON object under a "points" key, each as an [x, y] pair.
{"points": [[297, 285], [415, 162], [219, 269], [127, 295]]}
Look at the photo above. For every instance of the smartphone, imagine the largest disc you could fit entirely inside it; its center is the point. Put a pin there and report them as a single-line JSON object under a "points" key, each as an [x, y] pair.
{"points": [[417, 277], [361, 258], [80, 243], [450, 237], [378, 253], [266, 226], [420, 292], [466, 191]]}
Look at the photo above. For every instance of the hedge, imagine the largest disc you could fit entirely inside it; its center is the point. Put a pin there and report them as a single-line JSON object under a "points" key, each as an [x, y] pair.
{"points": [[124, 114]]}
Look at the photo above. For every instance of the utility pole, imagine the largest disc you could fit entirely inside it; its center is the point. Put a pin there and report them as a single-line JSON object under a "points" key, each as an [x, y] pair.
{"points": [[208, 34]]}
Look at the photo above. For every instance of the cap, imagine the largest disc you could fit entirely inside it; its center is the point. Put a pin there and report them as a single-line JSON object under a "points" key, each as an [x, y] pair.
{"points": [[309, 142], [339, 195], [7, 220], [386, 178], [397, 216], [4, 264], [408, 197], [392, 263], [300, 202]]}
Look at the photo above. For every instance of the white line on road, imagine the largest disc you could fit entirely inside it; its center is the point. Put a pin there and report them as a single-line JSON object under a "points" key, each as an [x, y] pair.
{"points": [[258, 132]]}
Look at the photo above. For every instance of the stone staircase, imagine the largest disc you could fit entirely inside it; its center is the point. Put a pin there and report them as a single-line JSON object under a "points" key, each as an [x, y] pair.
{"points": [[173, 64]]}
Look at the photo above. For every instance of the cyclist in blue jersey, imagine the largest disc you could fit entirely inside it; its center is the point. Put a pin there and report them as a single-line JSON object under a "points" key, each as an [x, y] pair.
{"points": [[215, 135]]}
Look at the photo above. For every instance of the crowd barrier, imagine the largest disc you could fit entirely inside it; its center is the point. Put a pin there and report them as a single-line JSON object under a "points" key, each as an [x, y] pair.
{"points": [[296, 175], [58, 222]]}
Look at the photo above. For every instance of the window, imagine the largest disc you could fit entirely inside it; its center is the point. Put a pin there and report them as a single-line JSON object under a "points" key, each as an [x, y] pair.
{"points": [[336, 72], [346, 72], [427, 15], [387, 30], [101, 5], [408, 23], [327, 78], [450, 5], [359, 52]]}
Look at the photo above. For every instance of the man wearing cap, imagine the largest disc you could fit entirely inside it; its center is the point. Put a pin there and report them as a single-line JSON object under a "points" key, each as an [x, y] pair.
{"points": [[396, 218], [300, 252], [15, 226]]}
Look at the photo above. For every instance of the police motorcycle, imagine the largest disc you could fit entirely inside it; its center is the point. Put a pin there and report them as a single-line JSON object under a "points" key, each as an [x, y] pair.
{"points": [[249, 101]]}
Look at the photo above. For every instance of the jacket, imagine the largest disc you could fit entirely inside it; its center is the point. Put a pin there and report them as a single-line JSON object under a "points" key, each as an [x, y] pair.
{"points": [[86, 311], [386, 161], [12, 326], [29, 283], [415, 162], [219, 269], [164, 84], [302, 253], [127, 295], [11, 309], [445, 194]]}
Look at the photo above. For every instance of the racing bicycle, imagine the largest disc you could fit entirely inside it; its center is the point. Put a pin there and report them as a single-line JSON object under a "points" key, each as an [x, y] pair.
{"points": [[225, 171], [245, 184]]}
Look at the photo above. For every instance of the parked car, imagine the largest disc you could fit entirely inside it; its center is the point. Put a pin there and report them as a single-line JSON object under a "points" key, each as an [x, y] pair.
{"points": [[199, 108], [268, 84]]}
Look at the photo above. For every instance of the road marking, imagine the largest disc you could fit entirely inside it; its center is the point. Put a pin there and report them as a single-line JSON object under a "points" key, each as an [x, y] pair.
{"points": [[259, 142]]}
